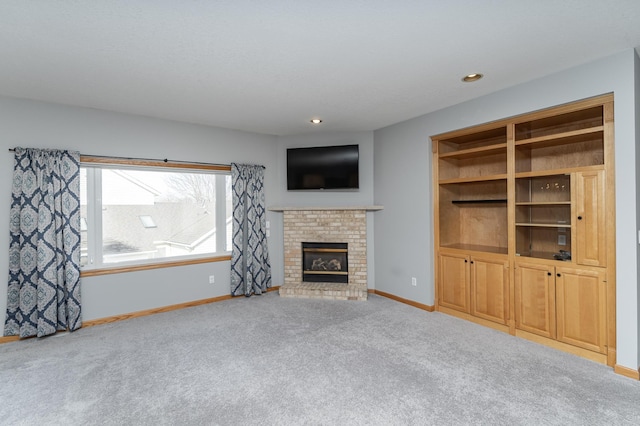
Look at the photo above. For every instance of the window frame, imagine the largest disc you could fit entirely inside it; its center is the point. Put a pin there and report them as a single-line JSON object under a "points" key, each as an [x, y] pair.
{"points": [[87, 161]]}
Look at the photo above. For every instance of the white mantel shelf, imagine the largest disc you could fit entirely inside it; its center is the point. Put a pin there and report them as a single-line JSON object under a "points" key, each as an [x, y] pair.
{"points": [[315, 208]]}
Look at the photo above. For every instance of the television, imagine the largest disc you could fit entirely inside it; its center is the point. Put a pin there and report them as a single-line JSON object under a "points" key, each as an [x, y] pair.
{"points": [[323, 167]]}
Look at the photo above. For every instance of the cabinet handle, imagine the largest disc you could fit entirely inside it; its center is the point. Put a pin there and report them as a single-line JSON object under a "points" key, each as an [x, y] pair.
{"points": [[558, 275], [549, 273], [465, 261], [472, 262], [579, 217]]}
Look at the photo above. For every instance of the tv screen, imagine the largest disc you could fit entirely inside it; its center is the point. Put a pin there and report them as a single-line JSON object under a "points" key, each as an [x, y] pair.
{"points": [[325, 167]]}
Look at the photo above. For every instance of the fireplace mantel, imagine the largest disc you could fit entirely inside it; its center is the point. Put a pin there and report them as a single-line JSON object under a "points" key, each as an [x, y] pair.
{"points": [[323, 208]]}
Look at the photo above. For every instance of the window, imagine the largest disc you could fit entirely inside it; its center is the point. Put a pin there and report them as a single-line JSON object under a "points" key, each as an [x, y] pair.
{"points": [[142, 214], [147, 221]]}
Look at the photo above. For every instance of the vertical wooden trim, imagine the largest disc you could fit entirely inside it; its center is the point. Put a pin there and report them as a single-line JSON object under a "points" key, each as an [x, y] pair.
{"points": [[611, 355], [467, 278], [511, 225], [610, 203], [573, 185], [436, 221]]}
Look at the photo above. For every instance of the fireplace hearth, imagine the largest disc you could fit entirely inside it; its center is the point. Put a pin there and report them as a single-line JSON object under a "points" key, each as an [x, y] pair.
{"points": [[325, 262]]}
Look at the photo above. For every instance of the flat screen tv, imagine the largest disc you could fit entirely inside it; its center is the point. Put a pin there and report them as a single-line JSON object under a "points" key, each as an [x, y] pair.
{"points": [[323, 167]]}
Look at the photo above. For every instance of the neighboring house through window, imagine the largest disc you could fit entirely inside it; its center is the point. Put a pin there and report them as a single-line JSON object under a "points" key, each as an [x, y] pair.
{"points": [[141, 214]]}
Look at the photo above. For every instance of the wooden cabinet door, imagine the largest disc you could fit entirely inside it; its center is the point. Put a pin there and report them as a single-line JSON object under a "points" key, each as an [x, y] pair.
{"points": [[535, 302], [590, 219], [453, 285], [490, 289], [581, 307]]}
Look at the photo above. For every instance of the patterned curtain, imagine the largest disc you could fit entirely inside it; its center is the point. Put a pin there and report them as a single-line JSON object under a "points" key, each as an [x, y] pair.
{"points": [[44, 249], [250, 268]]}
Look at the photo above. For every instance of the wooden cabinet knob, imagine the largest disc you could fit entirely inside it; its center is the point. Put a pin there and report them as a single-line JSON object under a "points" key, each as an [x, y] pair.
{"points": [[579, 217], [558, 275], [549, 273]]}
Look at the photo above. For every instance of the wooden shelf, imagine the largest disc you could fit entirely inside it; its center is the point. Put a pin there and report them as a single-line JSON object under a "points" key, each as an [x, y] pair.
{"points": [[563, 138], [548, 255], [543, 225], [473, 179], [544, 203], [552, 172], [500, 148], [486, 136], [503, 201], [476, 247]]}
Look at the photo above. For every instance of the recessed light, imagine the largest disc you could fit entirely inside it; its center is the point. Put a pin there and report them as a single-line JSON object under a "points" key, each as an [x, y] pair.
{"points": [[471, 77], [316, 121]]}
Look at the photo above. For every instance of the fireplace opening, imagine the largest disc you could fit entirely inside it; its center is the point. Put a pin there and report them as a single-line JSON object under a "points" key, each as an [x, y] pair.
{"points": [[325, 262]]}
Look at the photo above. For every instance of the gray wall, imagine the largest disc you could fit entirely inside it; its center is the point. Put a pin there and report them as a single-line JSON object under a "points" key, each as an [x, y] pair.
{"points": [[40, 125], [637, 116], [395, 164], [362, 197], [403, 181]]}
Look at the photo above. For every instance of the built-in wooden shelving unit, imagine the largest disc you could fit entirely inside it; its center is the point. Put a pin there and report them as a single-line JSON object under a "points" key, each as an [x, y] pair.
{"points": [[524, 228]]}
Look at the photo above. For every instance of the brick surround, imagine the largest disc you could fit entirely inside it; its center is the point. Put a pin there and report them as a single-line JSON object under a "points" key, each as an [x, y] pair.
{"points": [[325, 225]]}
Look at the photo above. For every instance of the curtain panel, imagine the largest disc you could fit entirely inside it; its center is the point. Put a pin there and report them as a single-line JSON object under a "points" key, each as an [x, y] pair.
{"points": [[43, 294], [250, 267]]}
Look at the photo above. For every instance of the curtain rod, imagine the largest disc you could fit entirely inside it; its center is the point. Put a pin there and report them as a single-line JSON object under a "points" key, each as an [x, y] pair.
{"points": [[164, 160]]}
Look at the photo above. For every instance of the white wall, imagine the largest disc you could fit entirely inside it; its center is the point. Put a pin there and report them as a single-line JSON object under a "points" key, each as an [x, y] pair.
{"points": [[403, 182], [362, 197], [41, 125]]}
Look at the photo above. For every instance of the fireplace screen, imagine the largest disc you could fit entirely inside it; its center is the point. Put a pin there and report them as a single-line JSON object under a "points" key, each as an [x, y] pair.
{"points": [[325, 262]]}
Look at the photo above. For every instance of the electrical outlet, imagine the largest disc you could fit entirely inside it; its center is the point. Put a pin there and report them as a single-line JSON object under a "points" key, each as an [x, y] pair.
{"points": [[414, 282], [212, 279]]}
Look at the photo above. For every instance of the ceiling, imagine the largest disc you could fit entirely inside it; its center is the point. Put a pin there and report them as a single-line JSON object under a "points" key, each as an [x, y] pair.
{"points": [[270, 66]]}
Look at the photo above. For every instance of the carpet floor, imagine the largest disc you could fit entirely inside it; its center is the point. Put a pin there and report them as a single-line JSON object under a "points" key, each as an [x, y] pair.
{"points": [[267, 360]]}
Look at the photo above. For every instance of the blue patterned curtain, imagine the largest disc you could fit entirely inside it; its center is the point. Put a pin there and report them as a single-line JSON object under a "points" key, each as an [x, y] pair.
{"points": [[44, 249], [250, 268]]}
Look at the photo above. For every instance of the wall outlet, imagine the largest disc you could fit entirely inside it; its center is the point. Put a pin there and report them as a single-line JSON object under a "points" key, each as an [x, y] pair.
{"points": [[414, 282], [212, 279]]}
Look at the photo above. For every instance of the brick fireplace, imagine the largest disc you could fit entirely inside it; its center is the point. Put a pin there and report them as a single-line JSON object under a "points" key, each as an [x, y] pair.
{"points": [[345, 226]]}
